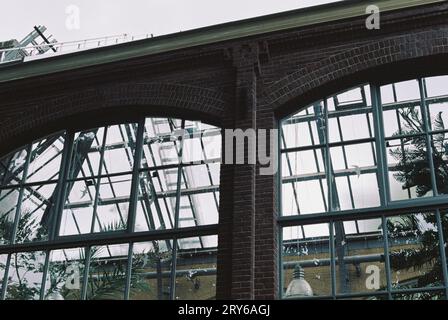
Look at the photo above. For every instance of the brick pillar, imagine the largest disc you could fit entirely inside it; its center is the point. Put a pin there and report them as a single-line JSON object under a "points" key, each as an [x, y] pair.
{"points": [[266, 231], [236, 256]]}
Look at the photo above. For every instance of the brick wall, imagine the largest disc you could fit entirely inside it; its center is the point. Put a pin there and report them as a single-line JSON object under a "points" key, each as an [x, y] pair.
{"points": [[244, 83]]}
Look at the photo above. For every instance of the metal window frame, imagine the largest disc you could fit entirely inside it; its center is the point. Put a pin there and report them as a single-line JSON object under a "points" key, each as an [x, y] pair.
{"points": [[387, 207], [127, 236]]}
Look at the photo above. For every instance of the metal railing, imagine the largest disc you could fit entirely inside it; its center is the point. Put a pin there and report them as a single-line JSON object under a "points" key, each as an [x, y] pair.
{"points": [[33, 52]]}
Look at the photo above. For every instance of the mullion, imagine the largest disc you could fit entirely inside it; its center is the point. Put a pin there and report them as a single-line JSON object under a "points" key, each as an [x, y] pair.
{"points": [[192, 207], [44, 275], [85, 279], [167, 207], [109, 180], [60, 186], [394, 90], [383, 167], [369, 125], [184, 177], [156, 199], [176, 218], [330, 144], [127, 286], [65, 169], [429, 146], [334, 204], [138, 147], [97, 186], [116, 237], [133, 202], [321, 185], [344, 155], [294, 189], [148, 215]]}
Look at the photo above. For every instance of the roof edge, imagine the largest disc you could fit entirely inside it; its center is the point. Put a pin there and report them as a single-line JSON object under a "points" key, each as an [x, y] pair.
{"points": [[239, 29]]}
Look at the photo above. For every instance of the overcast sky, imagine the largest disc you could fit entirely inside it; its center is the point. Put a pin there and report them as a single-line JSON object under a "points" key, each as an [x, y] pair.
{"points": [[135, 17]]}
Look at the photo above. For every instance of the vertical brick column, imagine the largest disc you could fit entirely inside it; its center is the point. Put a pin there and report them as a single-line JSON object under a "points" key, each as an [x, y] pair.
{"points": [[266, 231], [236, 256]]}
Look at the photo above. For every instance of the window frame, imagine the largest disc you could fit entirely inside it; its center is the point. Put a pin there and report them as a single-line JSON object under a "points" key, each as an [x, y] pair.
{"points": [[128, 236], [387, 208]]}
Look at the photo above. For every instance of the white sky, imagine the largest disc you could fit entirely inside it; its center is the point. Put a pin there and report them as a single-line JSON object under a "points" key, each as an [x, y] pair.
{"points": [[135, 17]]}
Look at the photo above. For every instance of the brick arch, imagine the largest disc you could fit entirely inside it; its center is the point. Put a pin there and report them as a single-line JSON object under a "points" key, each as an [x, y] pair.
{"points": [[405, 56], [103, 104]]}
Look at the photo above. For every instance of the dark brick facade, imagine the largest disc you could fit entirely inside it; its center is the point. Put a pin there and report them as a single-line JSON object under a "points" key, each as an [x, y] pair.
{"points": [[245, 83]]}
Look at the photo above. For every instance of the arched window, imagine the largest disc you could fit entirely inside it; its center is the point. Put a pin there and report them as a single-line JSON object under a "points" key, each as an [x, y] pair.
{"points": [[122, 211], [364, 194]]}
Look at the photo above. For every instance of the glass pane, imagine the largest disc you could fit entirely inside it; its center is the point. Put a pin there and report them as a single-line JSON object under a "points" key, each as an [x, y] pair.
{"points": [[161, 142], [211, 141], [414, 251], [351, 127], [306, 248], [11, 167], [78, 209], [402, 120], [37, 213], [119, 148], [402, 91], [156, 204], [300, 131], [8, 208], [196, 269], [107, 272], [359, 253], [113, 204], [304, 197], [151, 271], [355, 171], [25, 275], [206, 207], [201, 144], [438, 113], [440, 158], [304, 183], [65, 273], [436, 86], [86, 153], [45, 161], [409, 173]]}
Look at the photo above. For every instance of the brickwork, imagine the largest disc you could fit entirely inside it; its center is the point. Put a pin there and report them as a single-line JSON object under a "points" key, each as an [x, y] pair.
{"points": [[243, 83]]}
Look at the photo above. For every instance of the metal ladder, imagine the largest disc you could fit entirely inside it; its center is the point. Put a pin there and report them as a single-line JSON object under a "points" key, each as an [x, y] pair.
{"points": [[169, 152]]}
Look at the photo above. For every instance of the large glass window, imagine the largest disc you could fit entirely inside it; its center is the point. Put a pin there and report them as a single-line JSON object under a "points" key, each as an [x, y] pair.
{"points": [[355, 166], [130, 211]]}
